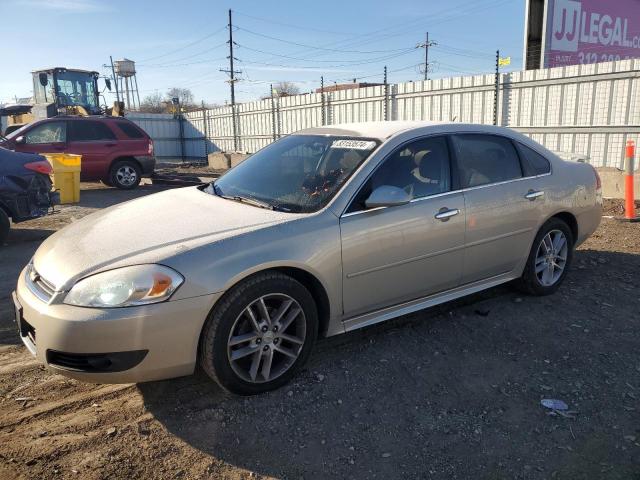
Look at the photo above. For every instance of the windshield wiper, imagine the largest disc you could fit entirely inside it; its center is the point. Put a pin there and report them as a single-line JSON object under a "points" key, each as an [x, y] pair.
{"points": [[252, 201], [248, 200]]}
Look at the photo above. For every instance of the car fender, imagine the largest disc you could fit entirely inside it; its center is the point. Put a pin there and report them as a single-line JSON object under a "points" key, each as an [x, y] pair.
{"points": [[313, 247]]}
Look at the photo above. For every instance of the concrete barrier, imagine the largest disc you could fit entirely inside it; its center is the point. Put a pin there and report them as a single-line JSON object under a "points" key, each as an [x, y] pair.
{"points": [[236, 158], [613, 182], [218, 160], [225, 161]]}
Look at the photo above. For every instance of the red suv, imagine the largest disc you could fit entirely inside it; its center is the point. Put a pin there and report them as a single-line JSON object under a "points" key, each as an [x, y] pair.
{"points": [[113, 149]]}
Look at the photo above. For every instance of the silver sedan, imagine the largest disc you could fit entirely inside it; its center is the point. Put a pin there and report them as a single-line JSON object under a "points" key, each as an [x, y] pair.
{"points": [[322, 232]]}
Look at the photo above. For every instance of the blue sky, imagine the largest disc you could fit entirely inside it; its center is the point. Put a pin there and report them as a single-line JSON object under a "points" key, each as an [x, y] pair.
{"points": [[181, 43]]}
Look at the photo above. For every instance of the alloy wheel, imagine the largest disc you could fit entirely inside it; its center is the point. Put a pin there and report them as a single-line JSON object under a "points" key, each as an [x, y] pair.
{"points": [[126, 175], [266, 338], [551, 258]]}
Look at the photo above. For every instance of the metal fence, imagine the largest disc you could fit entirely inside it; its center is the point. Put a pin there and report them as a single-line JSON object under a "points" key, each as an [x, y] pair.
{"points": [[589, 110], [174, 138]]}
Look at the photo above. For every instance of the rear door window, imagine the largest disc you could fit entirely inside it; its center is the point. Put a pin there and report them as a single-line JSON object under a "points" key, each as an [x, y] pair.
{"points": [[533, 163], [89, 131], [485, 159]]}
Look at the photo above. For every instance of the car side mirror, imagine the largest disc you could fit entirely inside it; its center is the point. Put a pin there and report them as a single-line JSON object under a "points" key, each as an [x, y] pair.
{"points": [[20, 140], [107, 82], [42, 77], [387, 196]]}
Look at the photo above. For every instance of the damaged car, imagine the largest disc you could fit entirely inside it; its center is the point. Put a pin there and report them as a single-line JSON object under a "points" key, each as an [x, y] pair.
{"points": [[25, 188]]}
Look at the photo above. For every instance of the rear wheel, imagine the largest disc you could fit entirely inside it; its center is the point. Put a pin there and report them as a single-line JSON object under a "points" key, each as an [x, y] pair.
{"points": [[260, 334], [4, 226], [549, 259], [125, 174]]}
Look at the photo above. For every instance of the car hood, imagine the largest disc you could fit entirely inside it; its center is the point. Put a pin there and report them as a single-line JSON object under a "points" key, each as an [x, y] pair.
{"points": [[146, 230]]}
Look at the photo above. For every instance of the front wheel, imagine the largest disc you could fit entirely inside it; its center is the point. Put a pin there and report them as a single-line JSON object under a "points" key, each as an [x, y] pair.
{"points": [[549, 259], [260, 334], [125, 175]]}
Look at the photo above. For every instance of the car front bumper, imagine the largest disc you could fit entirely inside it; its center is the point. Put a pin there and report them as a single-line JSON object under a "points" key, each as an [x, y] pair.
{"points": [[116, 345]]}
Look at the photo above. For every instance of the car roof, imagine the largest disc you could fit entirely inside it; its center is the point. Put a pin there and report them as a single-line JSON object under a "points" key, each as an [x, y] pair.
{"points": [[83, 117], [382, 130]]}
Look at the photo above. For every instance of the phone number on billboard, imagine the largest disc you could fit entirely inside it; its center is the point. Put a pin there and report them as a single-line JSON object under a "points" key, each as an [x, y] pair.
{"points": [[590, 57]]}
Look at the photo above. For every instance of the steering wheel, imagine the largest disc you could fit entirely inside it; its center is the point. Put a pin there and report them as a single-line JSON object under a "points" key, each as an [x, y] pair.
{"points": [[316, 184]]}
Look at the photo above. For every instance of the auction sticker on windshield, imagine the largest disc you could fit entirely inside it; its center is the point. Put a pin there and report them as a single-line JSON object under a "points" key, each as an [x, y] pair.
{"points": [[354, 144]]}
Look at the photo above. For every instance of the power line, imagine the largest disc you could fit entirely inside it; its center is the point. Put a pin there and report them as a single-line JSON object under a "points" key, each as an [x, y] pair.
{"points": [[298, 27], [458, 11], [202, 39], [172, 62], [405, 50], [312, 46], [317, 67], [172, 65], [466, 8]]}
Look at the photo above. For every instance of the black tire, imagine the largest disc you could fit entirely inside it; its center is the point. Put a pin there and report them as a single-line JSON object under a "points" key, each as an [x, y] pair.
{"points": [[529, 282], [5, 225], [125, 174], [213, 351], [107, 182]]}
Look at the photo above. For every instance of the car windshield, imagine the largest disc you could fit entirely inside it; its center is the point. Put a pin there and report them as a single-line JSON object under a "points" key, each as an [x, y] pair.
{"points": [[299, 173]]}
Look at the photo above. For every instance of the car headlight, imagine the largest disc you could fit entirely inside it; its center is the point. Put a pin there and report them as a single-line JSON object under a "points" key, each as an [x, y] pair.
{"points": [[125, 287]]}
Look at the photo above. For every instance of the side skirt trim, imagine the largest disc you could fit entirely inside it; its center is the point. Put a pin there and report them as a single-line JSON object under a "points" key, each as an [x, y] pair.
{"points": [[413, 306]]}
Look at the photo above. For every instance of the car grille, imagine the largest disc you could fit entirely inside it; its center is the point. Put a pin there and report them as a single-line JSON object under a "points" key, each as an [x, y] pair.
{"points": [[40, 287]]}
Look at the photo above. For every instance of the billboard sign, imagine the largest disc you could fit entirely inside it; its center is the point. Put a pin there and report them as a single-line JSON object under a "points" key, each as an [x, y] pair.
{"points": [[590, 31]]}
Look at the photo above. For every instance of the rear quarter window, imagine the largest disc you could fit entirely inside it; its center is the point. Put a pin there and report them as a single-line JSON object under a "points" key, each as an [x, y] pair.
{"points": [[533, 163], [130, 130]]}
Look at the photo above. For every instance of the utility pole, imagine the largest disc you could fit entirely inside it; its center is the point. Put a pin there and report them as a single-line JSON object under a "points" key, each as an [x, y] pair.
{"points": [[205, 125], [426, 46], [115, 80], [497, 81], [386, 95], [322, 113], [232, 81], [273, 114]]}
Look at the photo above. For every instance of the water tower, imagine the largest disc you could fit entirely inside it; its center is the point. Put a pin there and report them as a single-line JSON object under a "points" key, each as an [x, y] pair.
{"points": [[127, 81]]}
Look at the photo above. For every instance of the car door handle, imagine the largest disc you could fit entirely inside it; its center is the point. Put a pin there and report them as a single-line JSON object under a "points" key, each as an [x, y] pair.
{"points": [[445, 214], [533, 194], [110, 144]]}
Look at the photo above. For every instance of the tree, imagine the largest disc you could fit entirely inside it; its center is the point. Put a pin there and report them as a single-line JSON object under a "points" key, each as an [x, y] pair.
{"points": [[285, 89], [184, 94], [154, 103]]}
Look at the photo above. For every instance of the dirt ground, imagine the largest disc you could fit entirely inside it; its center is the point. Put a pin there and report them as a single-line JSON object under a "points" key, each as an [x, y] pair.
{"points": [[449, 393]]}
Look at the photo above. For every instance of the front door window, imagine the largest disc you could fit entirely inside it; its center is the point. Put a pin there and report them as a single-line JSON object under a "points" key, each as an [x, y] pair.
{"points": [[50, 132], [421, 168]]}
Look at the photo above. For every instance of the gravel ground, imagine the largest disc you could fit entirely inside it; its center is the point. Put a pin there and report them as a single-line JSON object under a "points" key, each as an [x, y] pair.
{"points": [[451, 392]]}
